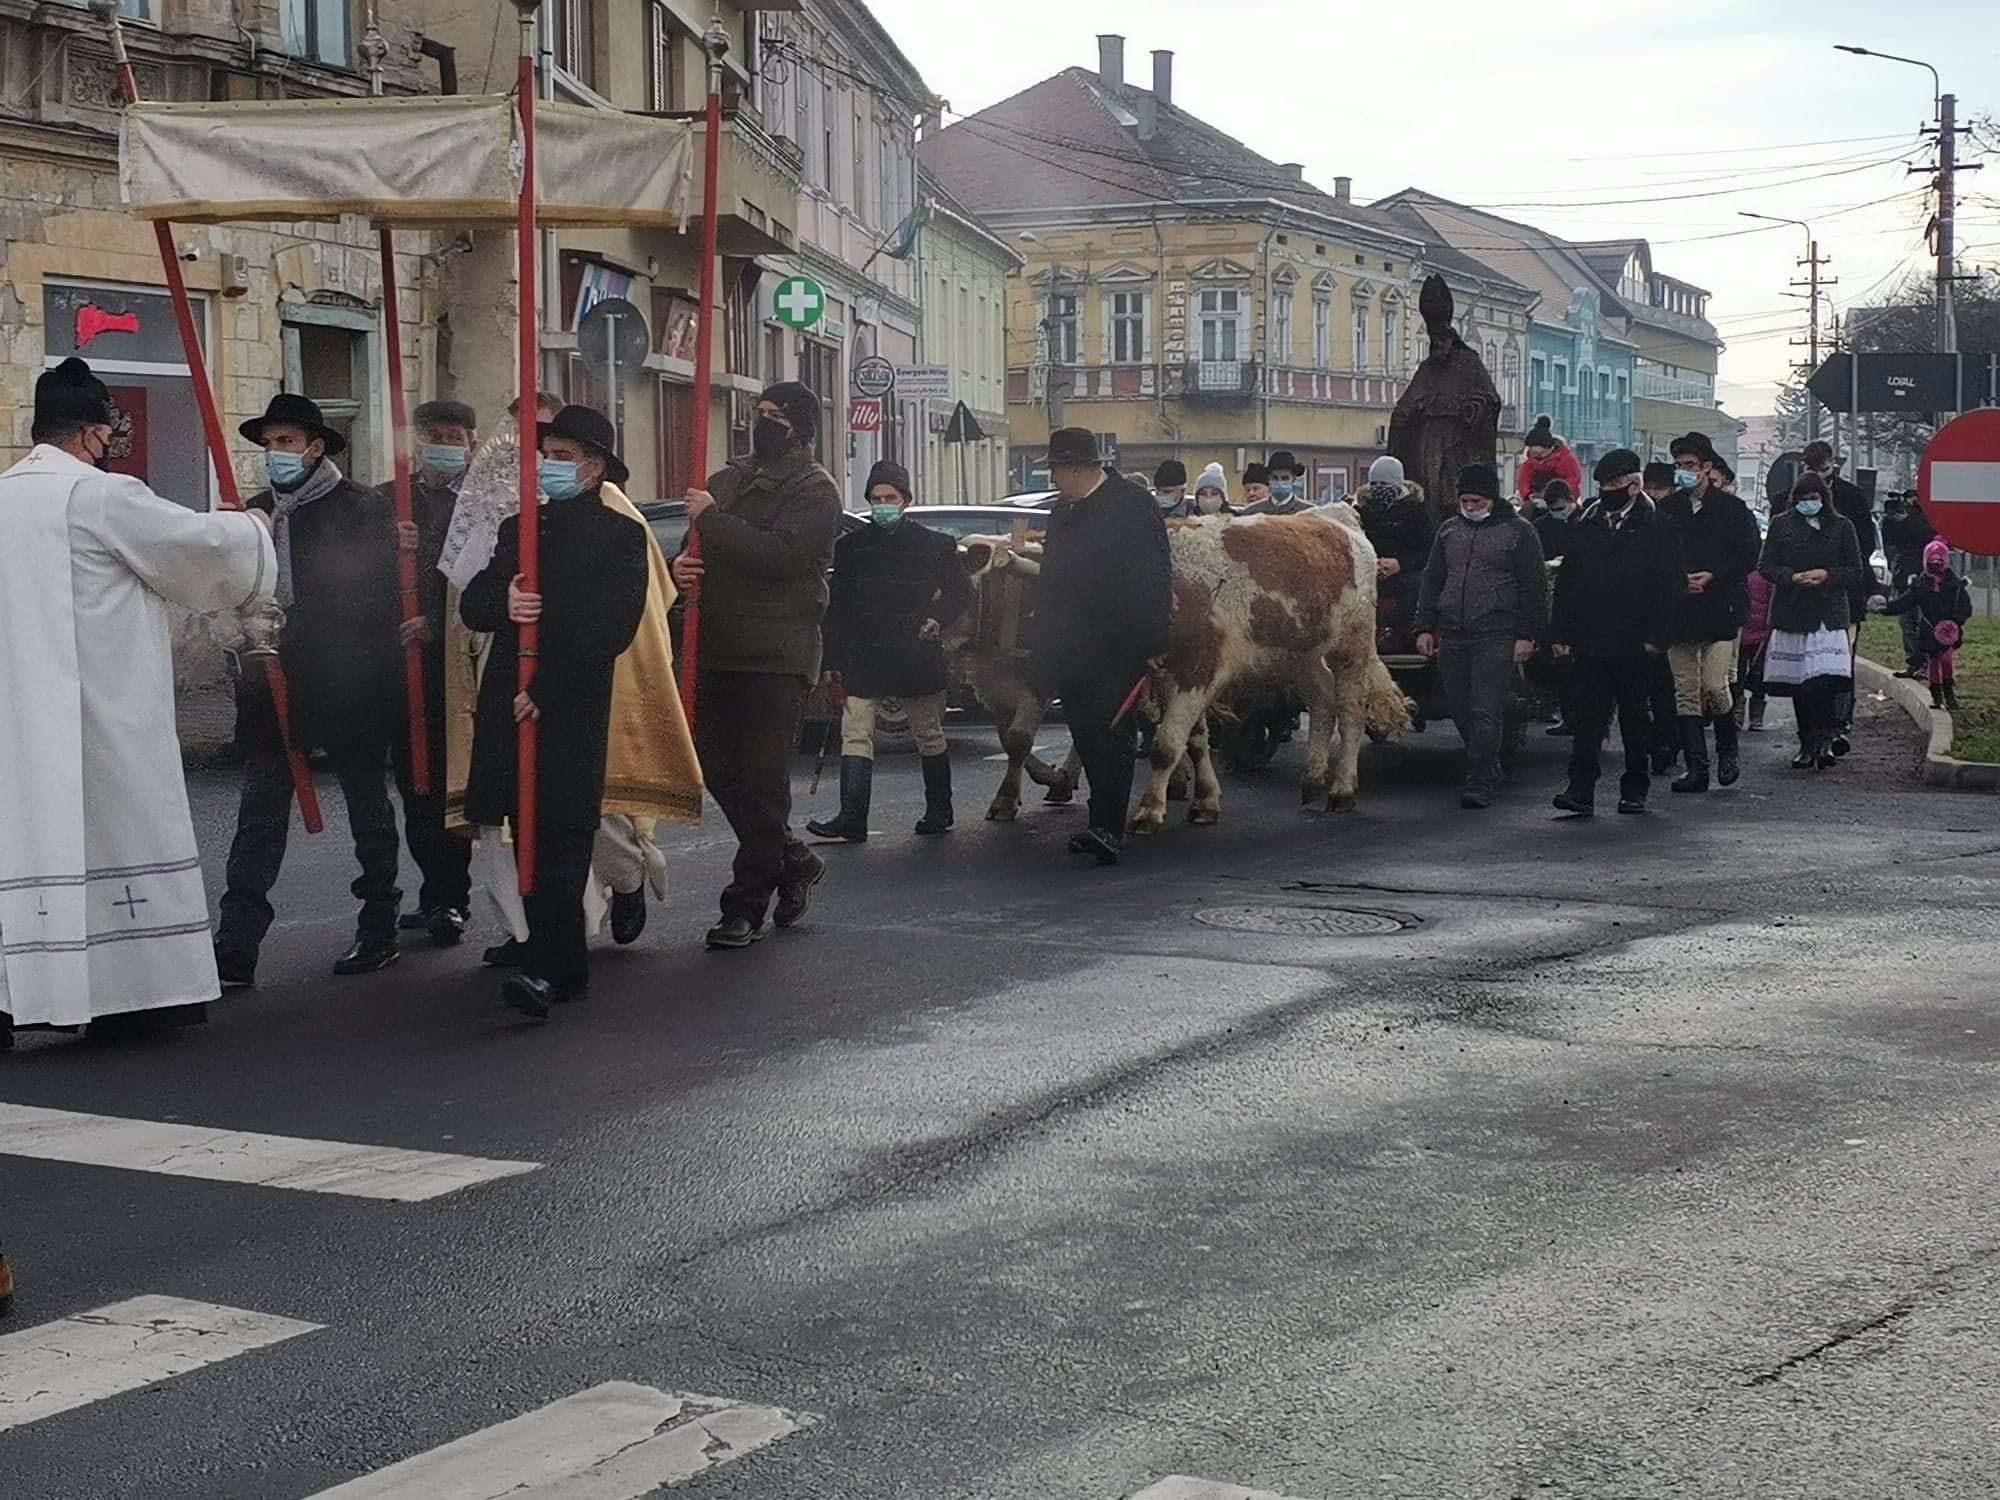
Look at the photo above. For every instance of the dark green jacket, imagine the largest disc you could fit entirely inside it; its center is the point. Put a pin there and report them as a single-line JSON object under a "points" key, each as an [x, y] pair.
{"points": [[765, 548]]}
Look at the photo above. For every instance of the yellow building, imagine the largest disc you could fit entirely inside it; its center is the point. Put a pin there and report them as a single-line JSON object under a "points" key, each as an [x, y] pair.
{"points": [[966, 277], [1183, 297]]}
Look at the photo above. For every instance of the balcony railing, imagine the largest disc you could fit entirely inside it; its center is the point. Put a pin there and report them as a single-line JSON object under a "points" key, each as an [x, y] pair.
{"points": [[1648, 386], [1220, 379]]}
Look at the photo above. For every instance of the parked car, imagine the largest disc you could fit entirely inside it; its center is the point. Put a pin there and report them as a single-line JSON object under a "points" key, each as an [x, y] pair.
{"points": [[1034, 499], [961, 521]]}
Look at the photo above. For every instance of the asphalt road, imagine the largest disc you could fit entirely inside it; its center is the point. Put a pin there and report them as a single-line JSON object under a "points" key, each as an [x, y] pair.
{"points": [[1644, 1157]]}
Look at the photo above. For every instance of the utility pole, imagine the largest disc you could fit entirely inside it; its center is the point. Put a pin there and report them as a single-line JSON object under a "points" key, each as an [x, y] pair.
{"points": [[1947, 325], [1813, 261]]}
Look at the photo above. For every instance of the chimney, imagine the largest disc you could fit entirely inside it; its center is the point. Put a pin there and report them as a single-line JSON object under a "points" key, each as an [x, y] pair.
{"points": [[1111, 60], [1148, 110], [1163, 77], [1343, 190], [1293, 169]]}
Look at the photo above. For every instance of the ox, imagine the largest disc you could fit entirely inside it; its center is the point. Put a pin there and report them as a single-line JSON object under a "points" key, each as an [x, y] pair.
{"points": [[1261, 603]]}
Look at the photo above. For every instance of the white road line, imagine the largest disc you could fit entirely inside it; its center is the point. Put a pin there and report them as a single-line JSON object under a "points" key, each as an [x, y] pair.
{"points": [[616, 1441], [57, 1367], [280, 1161], [1180, 1487]]}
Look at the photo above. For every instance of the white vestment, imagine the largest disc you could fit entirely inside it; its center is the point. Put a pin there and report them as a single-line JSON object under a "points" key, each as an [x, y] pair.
{"points": [[101, 902]]}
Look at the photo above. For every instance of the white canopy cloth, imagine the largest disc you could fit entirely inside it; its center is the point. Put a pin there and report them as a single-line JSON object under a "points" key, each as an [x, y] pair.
{"points": [[101, 902], [416, 162]]}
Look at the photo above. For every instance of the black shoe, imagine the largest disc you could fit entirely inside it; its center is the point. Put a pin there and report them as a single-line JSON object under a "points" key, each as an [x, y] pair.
{"points": [[795, 890], [1473, 801], [1728, 764], [1806, 760], [733, 932], [628, 916], [1937, 696], [1951, 696], [1663, 759], [1756, 715], [1100, 844], [369, 955], [238, 971], [850, 824], [530, 997], [1577, 804], [1694, 747], [1692, 781], [508, 955], [447, 926], [937, 795], [418, 920], [1631, 805], [1840, 746]]}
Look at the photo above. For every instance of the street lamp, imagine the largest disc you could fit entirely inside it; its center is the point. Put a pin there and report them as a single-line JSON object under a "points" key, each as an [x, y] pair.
{"points": [[1937, 84], [1812, 314]]}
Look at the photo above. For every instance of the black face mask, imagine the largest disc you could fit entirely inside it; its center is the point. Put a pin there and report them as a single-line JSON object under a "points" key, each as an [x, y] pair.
{"points": [[1615, 500], [769, 439]]}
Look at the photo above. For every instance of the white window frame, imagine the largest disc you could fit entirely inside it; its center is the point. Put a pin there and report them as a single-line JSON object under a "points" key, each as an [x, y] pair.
{"points": [[1127, 312], [1221, 326], [1281, 326], [1322, 333], [1392, 346], [1063, 352], [1361, 311]]}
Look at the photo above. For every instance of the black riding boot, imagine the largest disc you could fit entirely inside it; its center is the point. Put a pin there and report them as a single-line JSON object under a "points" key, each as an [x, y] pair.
{"points": [[857, 774], [937, 794], [1694, 744], [1951, 694], [1728, 769]]}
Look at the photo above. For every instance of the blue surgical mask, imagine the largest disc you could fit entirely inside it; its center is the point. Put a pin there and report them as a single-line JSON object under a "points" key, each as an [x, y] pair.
{"points": [[1686, 479], [1560, 515], [1281, 489], [558, 479], [1541, 504], [446, 460], [1807, 507], [885, 515], [287, 471]]}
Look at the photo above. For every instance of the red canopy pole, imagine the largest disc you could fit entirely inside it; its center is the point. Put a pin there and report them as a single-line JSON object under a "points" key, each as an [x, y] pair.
{"points": [[716, 43], [524, 807], [218, 443], [406, 516]]}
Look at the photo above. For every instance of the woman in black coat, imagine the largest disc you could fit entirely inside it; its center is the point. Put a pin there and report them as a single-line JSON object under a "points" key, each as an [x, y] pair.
{"points": [[1812, 560]]}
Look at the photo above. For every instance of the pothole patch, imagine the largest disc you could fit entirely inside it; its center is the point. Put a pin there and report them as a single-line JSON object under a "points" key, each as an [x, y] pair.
{"points": [[1308, 921]]}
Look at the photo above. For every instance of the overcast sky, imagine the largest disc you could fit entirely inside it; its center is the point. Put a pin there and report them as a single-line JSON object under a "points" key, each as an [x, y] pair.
{"points": [[1653, 118]]}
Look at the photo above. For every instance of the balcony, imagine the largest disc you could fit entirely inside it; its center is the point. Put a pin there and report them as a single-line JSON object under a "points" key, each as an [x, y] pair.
{"points": [[1219, 380], [758, 193], [1649, 386]]}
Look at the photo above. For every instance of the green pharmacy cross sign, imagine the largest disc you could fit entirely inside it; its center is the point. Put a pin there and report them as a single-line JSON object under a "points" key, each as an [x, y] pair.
{"points": [[800, 302]]}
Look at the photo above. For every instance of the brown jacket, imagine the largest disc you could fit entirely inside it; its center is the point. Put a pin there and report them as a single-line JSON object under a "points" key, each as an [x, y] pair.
{"points": [[766, 546]]}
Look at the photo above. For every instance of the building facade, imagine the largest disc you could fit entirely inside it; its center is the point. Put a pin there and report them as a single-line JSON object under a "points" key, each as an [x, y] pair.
{"points": [[966, 270], [1182, 297], [1678, 349]]}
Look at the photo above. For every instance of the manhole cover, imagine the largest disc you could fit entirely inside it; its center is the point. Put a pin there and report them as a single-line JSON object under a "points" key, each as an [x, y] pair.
{"points": [[1306, 921]]}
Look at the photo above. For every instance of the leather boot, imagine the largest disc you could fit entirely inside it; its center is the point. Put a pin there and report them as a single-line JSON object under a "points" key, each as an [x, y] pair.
{"points": [[1951, 694], [857, 776], [1694, 744], [1937, 695], [1728, 768], [937, 794], [1757, 714]]}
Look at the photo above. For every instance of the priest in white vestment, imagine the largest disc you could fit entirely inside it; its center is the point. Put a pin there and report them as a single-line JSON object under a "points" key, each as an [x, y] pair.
{"points": [[102, 910]]}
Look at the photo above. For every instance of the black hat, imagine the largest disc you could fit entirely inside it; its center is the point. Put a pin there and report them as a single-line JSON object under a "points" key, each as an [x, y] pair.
{"points": [[799, 404], [1282, 459], [1619, 463], [891, 474], [1169, 474], [295, 411], [444, 414], [1659, 474], [1541, 435], [1480, 479], [1072, 448], [1696, 443], [590, 427], [1256, 474], [69, 395]]}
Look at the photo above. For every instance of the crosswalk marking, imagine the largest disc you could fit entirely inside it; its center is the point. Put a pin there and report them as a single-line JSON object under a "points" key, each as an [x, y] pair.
{"points": [[57, 1367], [279, 1161], [1180, 1487], [616, 1441]]}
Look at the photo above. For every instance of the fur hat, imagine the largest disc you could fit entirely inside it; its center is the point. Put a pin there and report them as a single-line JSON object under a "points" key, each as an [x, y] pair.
{"points": [[1172, 472], [800, 406], [1619, 463], [893, 474], [1480, 479], [1256, 474], [1541, 435], [70, 396]]}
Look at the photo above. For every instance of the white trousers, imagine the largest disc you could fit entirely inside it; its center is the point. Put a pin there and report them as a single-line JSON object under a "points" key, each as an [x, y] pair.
{"points": [[621, 860]]}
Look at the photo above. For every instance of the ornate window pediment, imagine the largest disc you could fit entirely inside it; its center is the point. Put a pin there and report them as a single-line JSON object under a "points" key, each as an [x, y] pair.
{"points": [[1325, 284], [1285, 275], [1059, 275], [1221, 269], [1124, 271]]}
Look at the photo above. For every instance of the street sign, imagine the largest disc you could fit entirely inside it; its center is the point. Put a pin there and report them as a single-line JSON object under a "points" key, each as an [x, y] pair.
{"points": [[799, 302], [874, 376], [1904, 382], [924, 382], [1959, 482], [864, 415]]}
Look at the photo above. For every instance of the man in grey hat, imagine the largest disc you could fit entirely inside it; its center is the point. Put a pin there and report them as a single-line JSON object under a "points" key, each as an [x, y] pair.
{"points": [[767, 525]]}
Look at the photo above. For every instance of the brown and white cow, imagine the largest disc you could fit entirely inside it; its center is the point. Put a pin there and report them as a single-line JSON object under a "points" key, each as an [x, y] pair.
{"points": [[1261, 603]]}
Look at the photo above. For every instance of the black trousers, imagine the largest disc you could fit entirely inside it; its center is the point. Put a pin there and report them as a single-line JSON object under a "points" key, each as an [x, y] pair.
{"points": [[746, 732], [1089, 704], [1602, 687], [1662, 707], [263, 828], [444, 860], [557, 949]]}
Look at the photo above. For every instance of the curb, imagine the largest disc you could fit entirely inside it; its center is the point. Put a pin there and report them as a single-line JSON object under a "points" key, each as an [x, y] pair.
{"points": [[1940, 769]]}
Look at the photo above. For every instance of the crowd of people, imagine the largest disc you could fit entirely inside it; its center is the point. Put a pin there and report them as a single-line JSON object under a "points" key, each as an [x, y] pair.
{"points": [[1665, 613]]}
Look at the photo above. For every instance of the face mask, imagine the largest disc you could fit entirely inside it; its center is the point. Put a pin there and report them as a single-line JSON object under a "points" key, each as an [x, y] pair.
{"points": [[287, 471], [1165, 502], [1281, 489], [1559, 515], [558, 479], [1209, 503], [446, 460], [885, 515], [769, 439], [1475, 515], [1807, 507], [1686, 479], [1615, 500], [1541, 504]]}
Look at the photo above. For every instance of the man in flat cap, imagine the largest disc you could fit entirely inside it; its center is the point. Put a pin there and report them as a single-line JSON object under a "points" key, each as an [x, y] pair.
{"points": [[103, 919]]}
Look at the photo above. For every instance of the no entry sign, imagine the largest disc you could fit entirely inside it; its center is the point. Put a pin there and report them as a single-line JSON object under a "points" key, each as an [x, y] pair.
{"points": [[1959, 481]]}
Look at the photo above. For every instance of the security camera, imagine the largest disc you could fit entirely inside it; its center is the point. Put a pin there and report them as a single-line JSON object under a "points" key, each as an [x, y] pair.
{"points": [[190, 251]]}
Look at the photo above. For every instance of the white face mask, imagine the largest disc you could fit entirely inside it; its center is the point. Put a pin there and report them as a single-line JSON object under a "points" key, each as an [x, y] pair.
{"points": [[1209, 503]]}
